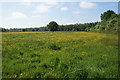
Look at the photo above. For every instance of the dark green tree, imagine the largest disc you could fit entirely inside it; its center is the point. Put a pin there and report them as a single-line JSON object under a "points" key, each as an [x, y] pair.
{"points": [[52, 26], [106, 15], [23, 30]]}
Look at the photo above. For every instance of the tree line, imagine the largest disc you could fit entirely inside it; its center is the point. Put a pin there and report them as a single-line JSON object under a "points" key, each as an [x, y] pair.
{"points": [[109, 22], [71, 27]]}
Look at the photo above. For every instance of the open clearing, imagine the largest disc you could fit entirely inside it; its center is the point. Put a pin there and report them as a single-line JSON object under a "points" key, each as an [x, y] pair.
{"points": [[59, 55]]}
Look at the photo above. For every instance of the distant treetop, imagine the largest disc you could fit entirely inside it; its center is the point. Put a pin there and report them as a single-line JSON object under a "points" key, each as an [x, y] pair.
{"points": [[108, 14], [52, 26]]}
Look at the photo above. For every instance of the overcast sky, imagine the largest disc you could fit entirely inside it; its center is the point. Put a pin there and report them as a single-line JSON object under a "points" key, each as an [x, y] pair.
{"points": [[36, 14]]}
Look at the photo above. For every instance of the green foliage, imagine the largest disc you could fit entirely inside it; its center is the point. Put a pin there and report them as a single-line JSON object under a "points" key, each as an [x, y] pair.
{"points": [[106, 15], [52, 26], [54, 47], [109, 23], [4, 30], [92, 29], [59, 55]]}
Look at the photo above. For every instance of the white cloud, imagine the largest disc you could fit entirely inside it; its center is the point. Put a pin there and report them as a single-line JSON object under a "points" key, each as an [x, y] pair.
{"points": [[84, 4], [42, 8], [45, 6], [64, 9], [18, 15]]}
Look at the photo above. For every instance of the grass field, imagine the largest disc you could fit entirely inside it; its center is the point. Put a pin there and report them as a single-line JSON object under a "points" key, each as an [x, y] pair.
{"points": [[59, 55]]}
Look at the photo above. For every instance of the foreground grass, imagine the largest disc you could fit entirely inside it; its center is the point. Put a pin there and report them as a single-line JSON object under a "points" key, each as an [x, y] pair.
{"points": [[59, 55]]}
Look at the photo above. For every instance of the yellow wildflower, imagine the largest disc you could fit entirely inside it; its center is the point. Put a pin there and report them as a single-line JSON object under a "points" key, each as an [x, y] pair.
{"points": [[15, 75], [50, 53], [104, 55], [21, 74]]}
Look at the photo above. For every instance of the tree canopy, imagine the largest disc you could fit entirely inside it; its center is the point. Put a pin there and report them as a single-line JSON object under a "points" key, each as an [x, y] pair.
{"points": [[52, 26], [106, 15]]}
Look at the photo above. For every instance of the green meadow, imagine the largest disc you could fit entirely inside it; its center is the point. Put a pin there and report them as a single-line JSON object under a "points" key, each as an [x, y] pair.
{"points": [[59, 55]]}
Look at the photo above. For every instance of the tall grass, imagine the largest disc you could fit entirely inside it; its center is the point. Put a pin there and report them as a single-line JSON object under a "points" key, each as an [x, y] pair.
{"points": [[59, 55]]}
